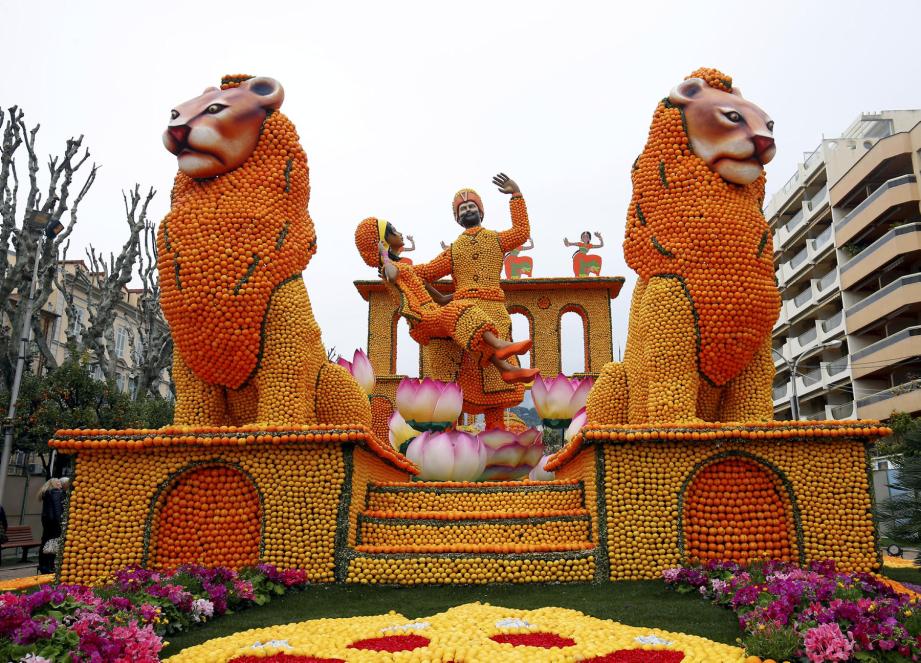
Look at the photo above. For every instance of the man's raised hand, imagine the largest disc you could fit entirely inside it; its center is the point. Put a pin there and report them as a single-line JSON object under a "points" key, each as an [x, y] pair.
{"points": [[506, 184]]}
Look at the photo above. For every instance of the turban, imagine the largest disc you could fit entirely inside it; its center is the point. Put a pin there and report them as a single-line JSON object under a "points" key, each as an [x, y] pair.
{"points": [[465, 195], [368, 234]]}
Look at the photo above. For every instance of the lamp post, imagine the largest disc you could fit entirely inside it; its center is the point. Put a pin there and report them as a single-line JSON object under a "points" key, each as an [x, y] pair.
{"points": [[794, 398], [42, 226]]}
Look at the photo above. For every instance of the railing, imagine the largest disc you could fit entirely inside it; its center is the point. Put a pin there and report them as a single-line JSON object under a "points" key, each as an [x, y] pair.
{"points": [[842, 411], [838, 365], [832, 322], [799, 258], [813, 158], [829, 279], [790, 185], [797, 219], [892, 392], [782, 391], [813, 376], [807, 337], [887, 290], [885, 342], [803, 297], [813, 202], [815, 416], [895, 232], [823, 237], [883, 188]]}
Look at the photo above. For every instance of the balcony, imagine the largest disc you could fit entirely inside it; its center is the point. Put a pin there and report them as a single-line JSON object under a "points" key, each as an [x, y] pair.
{"points": [[801, 343], [782, 317], [801, 301], [887, 351], [905, 397], [824, 240], [897, 242], [897, 191], [809, 381], [796, 221], [817, 201], [885, 150], [796, 263], [781, 393], [828, 282], [901, 293], [843, 411], [832, 326], [836, 370]]}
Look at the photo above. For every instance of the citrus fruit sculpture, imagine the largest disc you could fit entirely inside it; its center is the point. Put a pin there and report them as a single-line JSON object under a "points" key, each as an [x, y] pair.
{"points": [[699, 338], [231, 253]]}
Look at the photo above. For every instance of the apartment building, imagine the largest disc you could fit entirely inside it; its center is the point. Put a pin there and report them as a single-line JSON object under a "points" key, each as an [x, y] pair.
{"points": [[847, 248]]}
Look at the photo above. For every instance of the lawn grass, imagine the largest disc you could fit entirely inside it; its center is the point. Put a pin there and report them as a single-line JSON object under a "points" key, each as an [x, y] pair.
{"points": [[636, 603]]}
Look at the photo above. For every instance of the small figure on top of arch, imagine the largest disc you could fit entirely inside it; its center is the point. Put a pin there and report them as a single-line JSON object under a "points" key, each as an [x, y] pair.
{"points": [[517, 265], [583, 262]]}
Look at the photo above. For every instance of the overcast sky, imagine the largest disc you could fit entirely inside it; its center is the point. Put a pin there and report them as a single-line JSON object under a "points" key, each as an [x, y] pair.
{"points": [[399, 104]]}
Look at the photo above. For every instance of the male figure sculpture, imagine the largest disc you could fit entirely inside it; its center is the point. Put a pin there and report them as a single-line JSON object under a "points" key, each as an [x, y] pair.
{"points": [[474, 260]]}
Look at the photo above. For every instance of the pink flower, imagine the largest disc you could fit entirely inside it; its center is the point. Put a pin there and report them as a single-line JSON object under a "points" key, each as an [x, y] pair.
{"points": [[400, 431], [510, 455], [828, 643], [539, 473], [560, 398], [576, 425], [447, 456], [361, 370], [429, 401]]}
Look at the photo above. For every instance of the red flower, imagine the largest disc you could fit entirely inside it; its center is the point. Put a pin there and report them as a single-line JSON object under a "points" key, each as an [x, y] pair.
{"points": [[545, 640], [391, 643], [638, 656], [284, 658]]}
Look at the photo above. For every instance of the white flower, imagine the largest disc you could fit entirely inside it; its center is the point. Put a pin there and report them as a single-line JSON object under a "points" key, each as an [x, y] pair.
{"points": [[413, 626], [513, 622], [652, 640], [281, 644], [202, 609], [34, 658]]}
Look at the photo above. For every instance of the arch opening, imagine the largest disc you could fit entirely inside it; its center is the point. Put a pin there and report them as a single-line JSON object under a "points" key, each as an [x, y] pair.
{"points": [[522, 328], [210, 515], [573, 335], [405, 350], [738, 509]]}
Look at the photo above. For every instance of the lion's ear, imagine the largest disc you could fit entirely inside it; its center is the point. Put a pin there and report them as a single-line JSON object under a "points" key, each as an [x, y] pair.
{"points": [[686, 90], [736, 91], [210, 89], [270, 91]]}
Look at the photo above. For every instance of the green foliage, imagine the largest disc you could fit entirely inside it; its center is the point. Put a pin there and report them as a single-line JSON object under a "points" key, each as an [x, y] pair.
{"points": [[905, 438], [901, 513], [779, 644], [69, 397]]}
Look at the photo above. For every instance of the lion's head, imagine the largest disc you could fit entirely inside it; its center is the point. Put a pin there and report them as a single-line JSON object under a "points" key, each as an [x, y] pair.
{"points": [[733, 136], [218, 130]]}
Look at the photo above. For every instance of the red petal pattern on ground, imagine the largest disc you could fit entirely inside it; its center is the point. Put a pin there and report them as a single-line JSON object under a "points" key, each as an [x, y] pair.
{"points": [[284, 658], [545, 640], [391, 643], [639, 656]]}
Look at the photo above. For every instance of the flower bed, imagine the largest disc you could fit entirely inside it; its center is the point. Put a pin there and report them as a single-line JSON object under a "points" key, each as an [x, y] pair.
{"points": [[125, 618], [470, 633], [810, 614]]}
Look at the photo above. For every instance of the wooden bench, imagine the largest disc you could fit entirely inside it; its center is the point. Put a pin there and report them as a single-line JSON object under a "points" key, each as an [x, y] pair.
{"points": [[20, 536]]}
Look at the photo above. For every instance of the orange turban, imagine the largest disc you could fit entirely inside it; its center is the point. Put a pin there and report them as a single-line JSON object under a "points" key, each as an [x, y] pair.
{"points": [[368, 235], [463, 196]]}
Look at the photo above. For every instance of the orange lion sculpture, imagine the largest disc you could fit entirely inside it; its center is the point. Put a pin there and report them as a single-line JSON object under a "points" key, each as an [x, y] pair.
{"points": [[699, 337], [231, 253]]}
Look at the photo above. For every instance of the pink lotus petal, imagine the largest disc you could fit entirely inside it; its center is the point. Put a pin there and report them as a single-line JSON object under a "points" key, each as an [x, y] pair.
{"points": [[578, 422], [539, 395], [469, 457], [437, 458], [539, 473], [577, 401], [406, 398], [363, 372], [530, 437], [510, 454], [532, 456], [414, 450], [450, 402], [399, 430], [558, 398], [496, 438]]}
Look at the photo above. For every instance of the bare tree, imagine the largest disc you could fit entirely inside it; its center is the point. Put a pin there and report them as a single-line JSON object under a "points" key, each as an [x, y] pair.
{"points": [[20, 247], [106, 289], [153, 349]]}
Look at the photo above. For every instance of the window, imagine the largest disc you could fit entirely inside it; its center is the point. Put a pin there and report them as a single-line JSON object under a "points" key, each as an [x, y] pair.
{"points": [[121, 340], [75, 325], [121, 381]]}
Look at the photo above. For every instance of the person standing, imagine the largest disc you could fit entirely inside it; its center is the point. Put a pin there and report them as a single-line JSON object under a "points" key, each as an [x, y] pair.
{"points": [[474, 260], [51, 495]]}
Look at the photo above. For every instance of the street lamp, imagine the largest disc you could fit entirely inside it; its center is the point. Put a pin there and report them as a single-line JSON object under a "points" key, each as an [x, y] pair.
{"points": [[42, 226], [794, 399]]}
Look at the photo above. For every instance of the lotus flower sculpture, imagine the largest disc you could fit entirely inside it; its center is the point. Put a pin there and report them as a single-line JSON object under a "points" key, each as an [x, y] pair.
{"points": [[447, 456], [400, 432], [511, 455], [429, 405], [539, 473], [361, 369], [559, 399], [575, 425]]}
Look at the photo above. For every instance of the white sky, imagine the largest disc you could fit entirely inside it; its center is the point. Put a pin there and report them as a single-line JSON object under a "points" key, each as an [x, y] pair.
{"points": [[399, 104]]}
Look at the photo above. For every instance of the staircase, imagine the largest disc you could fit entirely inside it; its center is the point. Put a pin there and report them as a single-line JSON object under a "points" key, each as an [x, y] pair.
{"points": [[443, 533]]}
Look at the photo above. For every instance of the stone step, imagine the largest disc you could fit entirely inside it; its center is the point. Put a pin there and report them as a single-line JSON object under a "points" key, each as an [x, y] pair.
{"points": [[487, 496], [488, 528], [464, 568]]}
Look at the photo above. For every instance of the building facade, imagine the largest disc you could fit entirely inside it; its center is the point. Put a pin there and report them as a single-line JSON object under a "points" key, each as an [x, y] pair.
{"points": [[847, 249]]}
